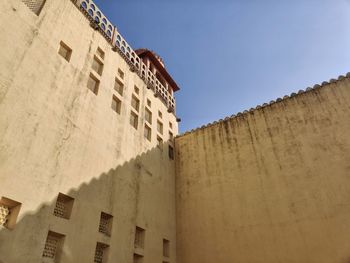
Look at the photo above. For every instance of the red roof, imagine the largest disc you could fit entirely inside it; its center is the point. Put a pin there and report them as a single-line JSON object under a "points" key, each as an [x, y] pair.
{"points": [[157, 62]]}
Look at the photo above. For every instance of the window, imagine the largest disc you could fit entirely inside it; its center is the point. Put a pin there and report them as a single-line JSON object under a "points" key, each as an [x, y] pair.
{"points": [[65, 51], [160, 114], [100, 53], [171, 136], [116, 104], [120, 73], [105, 226], [93, 84], [166, 246], [53, 246], [160, 127], [35, 6], [135, 103], [170, 125], [119, 86], [64, 205], [136, 90], [148, 116], [149, 104], [97, 65], [9, 210], [138, 258], [171, 152], [134, 119], [159, 142], [148, 132], [101, 253], [139, 237]]}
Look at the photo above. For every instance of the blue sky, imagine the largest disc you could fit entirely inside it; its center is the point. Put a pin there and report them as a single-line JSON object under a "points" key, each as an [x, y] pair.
{"points": [[231, 55]]}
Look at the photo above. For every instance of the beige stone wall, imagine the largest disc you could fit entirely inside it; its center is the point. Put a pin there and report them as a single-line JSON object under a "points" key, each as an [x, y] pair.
{"points": [[58, 136], [270, 185]]}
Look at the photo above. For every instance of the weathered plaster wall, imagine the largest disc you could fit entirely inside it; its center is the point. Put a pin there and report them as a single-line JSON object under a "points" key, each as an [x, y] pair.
{"points": [[58, 136], [271, 185]]}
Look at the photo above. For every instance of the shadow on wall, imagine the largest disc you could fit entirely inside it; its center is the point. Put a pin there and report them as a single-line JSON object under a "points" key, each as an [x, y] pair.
{"points": [[84, 223]]}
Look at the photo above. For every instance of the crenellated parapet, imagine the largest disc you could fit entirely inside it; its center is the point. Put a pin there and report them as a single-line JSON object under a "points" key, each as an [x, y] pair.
{"points": [[272, 102], [100, 22]]}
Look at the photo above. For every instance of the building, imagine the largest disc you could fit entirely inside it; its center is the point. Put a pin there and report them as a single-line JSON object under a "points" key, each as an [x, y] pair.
{"points": [[92, 168]]}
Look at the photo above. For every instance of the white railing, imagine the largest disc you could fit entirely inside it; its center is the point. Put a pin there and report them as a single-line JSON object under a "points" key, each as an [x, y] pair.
{"points": [[100, 22]]}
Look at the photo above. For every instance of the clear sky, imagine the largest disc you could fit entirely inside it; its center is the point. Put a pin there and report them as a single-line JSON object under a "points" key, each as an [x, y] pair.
{"points": [[231, 55]]}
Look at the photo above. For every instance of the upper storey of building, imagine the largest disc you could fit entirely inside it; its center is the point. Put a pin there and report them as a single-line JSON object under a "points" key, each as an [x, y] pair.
{"points": [[148, 65]]}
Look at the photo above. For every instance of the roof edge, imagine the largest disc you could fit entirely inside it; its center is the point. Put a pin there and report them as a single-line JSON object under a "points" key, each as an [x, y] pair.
{"points": [[278, 100]]}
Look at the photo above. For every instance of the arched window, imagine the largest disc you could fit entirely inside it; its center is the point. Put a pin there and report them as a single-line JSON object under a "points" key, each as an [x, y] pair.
{"points": [[98, 13], [128, 49], [123, 43], [123, 49], [117, 43], [104, 20], [103, 26], [110, 27], [109, 33], [118, 37], [97, 20], [84, 5], [92, 6], [91, 13]]}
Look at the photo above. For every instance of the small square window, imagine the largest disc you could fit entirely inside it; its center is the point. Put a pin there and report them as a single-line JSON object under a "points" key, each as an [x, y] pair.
{"points": [[148, 132], [171, 152], [160, 114], [166, 248], [148, 116], [53, 246], [97, 65], [149, 104], [170, 125], [135, 103], [139, 237], [116, 104], [119, 86], [64, 205], [160, 142], [160, 127], [136, 90], [101, 253], [138, 258], [134, 119], [9, 210], [93, 84], [65, 51], [120, 73], [105, 226], [100, 53]]}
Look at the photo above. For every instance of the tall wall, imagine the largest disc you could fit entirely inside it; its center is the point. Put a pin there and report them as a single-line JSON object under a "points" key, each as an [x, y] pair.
{"points": [[270, 185], [57, 136]]}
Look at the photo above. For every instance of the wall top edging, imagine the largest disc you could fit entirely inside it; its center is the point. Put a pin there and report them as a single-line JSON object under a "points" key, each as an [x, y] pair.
{"points": [[264, 105]]}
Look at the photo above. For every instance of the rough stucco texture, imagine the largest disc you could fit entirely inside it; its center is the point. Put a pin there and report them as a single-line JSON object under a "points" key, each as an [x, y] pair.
{"points": [[272, 185], [57, 136]]}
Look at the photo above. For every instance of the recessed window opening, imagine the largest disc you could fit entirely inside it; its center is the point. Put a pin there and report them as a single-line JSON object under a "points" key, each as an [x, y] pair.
{"points": [[100, 53], [116, 104], [93, 84], [119, 86], [97, 65], [53, 246], [148, 132], [105, 226], [139, 237], [64, 205], [101, 253], [9, 210], [134, 119], [65, 51]]}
